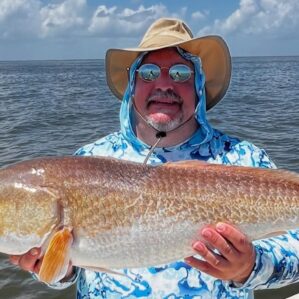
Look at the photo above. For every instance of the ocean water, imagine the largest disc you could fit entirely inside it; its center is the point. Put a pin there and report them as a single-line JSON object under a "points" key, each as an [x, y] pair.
{"points": [[50, 108]]}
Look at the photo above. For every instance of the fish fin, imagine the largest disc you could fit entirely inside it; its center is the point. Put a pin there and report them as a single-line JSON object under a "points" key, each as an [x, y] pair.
{"points": [[100, 269], [287, 174], [186, 164], [56, 259]]}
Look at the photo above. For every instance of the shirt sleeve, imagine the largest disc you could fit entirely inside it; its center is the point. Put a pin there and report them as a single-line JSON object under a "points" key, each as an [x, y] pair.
{"points": [[277, 262]]}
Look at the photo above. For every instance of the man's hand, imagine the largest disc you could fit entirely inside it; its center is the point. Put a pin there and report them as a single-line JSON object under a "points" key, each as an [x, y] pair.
{"points": [[32, 261], [236, 257]]}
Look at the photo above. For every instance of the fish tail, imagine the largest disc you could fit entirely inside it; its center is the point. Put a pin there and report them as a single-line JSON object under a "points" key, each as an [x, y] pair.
{"points": [[56, 259]]}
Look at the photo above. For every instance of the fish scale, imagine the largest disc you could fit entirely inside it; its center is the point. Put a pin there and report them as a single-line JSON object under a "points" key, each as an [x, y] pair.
{"points": [[107, 213]]}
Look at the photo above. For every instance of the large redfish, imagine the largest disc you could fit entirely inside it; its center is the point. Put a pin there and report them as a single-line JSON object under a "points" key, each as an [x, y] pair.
{"points": [[107, 213]]}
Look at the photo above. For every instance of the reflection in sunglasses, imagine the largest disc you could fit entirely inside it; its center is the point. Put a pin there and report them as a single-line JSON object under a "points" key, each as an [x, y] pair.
{"points": [[178, 72]]}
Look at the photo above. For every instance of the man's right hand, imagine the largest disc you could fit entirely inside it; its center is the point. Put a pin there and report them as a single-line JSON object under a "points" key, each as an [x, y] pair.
{"points": [[32, 261]]}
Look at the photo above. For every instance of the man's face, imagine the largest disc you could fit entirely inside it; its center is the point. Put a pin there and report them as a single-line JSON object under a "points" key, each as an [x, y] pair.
{"points": [[164, 103]]}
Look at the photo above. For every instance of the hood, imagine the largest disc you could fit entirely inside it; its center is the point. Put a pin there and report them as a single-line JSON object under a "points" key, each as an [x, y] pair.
{"points": [[204, 132]]}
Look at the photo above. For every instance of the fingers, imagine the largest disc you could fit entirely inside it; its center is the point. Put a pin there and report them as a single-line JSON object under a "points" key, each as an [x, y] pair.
{"points": [[209, 256], [228, 240], [27, 261], [239, 241], [14, 259], [212, 262], [226, 251], [203, 266], [217, 241]]}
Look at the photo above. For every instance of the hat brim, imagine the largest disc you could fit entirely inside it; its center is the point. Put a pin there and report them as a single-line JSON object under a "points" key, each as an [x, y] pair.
{"points": [[212, 50]]}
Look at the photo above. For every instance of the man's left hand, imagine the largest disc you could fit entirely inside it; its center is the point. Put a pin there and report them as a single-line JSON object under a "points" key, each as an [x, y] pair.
{"points": [[236, 257]]}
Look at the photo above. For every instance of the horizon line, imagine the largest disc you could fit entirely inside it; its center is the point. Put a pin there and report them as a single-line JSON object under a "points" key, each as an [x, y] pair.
{"points": [[77, 59]]}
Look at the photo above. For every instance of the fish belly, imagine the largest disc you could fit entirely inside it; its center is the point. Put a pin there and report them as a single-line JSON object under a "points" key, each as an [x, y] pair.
{"points": [[163, 241]]}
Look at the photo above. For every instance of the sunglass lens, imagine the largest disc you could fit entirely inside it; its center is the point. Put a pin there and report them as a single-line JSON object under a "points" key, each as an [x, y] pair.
{"points": [[180, 72], [149, 72]]}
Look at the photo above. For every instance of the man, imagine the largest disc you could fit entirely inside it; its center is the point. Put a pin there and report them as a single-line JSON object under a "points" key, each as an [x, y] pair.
{"points": [[166, 86]]}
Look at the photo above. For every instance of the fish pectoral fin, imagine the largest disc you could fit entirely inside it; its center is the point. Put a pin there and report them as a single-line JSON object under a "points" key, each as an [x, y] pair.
{"points": [[57, 257], [100, 269]]}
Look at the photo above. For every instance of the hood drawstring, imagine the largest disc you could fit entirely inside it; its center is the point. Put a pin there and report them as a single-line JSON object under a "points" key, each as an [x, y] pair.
{"points": [[159, 136]]}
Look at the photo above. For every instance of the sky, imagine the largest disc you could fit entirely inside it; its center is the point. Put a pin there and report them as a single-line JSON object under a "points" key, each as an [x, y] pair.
{"points": [[85, 29]]}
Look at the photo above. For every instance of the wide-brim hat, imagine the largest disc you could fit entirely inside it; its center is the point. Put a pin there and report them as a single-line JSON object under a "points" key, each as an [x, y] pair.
{"points": [[164, 33]]}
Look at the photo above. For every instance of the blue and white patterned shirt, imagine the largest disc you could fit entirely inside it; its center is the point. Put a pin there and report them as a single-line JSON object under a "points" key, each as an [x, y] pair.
{"points": [[277, 259]]}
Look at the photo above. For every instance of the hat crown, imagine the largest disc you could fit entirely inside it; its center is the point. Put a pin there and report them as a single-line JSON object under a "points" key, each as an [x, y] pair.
{"points": [[165, 31]]}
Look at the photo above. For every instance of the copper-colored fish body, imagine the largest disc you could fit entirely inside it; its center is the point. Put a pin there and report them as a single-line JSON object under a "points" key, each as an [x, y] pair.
{"points": [[124, 214]]}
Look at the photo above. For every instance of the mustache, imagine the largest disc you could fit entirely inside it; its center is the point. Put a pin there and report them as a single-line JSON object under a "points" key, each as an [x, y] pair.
{"points": [[170, 94]]}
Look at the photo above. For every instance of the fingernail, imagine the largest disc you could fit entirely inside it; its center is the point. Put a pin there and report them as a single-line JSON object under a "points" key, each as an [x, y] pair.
{"points": [[220, 227], [34, 251], [207, 233], [198, 246]]}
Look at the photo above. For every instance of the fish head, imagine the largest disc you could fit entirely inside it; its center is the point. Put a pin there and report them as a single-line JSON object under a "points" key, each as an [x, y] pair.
{"points": [[29, 210]]}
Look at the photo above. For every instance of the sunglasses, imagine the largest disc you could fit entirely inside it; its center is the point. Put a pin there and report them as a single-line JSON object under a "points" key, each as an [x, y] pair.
{"points": [[178, 73]]}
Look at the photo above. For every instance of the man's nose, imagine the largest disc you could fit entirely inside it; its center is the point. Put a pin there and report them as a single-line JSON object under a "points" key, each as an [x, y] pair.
{"points": [[164, 82]]}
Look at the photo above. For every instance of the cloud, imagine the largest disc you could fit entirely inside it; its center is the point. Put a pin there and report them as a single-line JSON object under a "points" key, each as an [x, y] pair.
{"points": [[198, 15], [31, 19], [57, 18], [35, 19], [18, 18], [112, 22], [9, 8], [256, 17]]}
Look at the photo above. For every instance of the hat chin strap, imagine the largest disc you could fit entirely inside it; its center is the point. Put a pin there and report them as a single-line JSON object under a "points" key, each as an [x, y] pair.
{"points": [[159, 134]]}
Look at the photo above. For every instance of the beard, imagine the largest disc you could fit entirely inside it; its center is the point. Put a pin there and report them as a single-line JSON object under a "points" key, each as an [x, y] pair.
{"points": [[161, 121], [165, 126]]}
